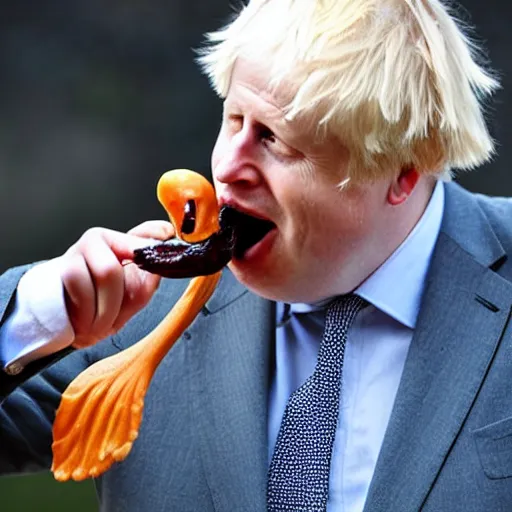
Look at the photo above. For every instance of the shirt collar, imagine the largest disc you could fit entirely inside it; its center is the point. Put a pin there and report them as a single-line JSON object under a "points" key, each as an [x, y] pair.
{"points": [[396, 287]]}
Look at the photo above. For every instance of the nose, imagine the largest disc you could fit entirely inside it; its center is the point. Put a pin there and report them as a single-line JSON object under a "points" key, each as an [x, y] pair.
{"points": [[235, 159]]}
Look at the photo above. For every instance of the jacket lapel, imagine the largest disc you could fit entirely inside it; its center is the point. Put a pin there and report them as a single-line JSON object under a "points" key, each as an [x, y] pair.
{"points": [[463, 314], [231, 361]]}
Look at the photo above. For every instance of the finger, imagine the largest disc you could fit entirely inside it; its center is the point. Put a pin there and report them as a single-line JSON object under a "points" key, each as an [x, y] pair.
{"points": [[108, 278], [157, 229], [79, 292], [139, 288], [84, 341], [121, 244], [139, 284]]}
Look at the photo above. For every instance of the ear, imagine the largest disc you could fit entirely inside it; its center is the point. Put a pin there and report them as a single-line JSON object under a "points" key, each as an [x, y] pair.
{"points": [[403, 185]]}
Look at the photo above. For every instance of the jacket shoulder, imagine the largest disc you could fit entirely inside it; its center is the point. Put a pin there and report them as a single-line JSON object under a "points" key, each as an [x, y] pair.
{"points": [[498, 211]]}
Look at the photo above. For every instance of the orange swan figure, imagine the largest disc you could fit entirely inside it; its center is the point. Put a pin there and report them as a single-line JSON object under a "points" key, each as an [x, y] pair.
{"points": [[101, 410]]}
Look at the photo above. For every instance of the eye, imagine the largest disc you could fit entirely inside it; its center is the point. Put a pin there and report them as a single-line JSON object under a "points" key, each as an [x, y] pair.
{"points": [[267, 134], [189, 218], [269, 138]]}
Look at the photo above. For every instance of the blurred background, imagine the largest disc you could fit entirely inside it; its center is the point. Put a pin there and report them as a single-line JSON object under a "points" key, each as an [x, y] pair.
{"points": [[98, 99]]}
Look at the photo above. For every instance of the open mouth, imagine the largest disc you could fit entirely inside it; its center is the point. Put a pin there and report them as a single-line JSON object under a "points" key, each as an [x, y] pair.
{"points": [[247, 230], [176, 258]]}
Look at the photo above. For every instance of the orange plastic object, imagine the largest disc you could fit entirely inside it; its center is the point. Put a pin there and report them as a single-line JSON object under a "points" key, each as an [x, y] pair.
{"points": [[101, 410]]}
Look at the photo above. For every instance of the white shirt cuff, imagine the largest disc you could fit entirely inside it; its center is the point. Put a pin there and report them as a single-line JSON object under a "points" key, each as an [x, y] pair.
{"points": [[39, 325]]}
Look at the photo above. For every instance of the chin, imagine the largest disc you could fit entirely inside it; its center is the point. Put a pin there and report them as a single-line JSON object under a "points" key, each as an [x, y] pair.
{"points": [[267, 284], [272, 285]]}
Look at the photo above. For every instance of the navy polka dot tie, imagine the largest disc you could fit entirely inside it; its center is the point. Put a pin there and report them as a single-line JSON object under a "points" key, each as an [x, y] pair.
{"points": [[298, 479]]}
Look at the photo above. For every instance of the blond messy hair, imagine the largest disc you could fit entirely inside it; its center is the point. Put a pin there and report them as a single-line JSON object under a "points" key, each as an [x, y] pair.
{"points": [[396, 80]]}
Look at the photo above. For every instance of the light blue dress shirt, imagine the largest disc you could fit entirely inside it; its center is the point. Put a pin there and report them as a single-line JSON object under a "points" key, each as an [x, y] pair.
{"points": [[375, 354]]}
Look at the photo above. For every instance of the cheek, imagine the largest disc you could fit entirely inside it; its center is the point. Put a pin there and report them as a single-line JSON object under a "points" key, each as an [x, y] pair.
{"points": [[331, 226], [303, 226]]}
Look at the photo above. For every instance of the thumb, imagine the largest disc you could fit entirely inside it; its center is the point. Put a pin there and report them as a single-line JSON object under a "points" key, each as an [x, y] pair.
{"points": [[157, 229]]}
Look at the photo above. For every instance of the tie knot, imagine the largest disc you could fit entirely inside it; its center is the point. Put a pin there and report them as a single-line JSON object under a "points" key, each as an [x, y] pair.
{"points": [[340, 315], [345, 307]]}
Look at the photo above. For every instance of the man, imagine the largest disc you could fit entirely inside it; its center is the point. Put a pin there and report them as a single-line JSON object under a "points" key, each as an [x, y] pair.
{"points": [[340, 120]]}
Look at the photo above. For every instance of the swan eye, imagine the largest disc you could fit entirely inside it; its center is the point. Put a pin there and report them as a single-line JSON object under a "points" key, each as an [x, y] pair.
{"points": [[189, 219]]}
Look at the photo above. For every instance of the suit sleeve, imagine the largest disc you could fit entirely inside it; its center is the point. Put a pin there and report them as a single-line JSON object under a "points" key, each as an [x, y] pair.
{"points": [[8, 284]]}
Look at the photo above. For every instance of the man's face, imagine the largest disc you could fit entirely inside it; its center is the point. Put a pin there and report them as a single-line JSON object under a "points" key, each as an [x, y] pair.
{"points": [[323, 238]]}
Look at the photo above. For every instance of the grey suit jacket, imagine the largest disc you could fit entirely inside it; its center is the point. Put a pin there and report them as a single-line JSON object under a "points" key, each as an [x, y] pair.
{"points": [[203, 440]]}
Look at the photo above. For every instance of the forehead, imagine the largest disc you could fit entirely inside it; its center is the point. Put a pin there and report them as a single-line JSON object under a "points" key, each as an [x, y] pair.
{"points": [[252, 93], [255, 76]]}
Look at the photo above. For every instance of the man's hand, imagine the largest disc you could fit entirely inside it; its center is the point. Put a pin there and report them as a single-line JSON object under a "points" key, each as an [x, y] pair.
{"points": [[101, 292]]}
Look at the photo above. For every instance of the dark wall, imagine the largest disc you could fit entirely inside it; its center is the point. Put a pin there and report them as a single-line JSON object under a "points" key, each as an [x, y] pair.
{"points": [[97, 99], [492, 21]]}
